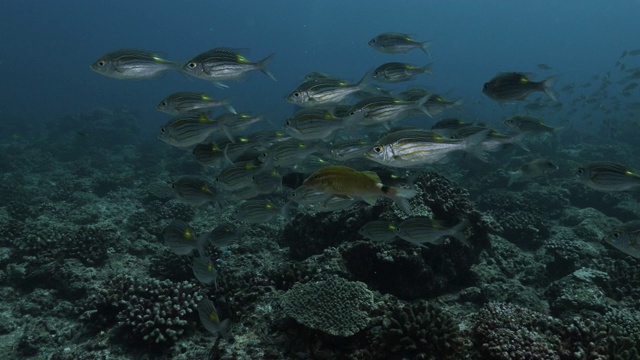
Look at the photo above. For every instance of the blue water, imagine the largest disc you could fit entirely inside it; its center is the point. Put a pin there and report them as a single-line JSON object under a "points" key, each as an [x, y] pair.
{"points": [[48, 46]]}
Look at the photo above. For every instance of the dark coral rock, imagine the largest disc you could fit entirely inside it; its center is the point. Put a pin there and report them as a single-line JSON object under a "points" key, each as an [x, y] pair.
{"points": [[624, 277], [410, 272], [310, 234], [520, 220], [447, 200], [20, 211], [167, 265], [418, 331], [511, 332], [89, 244], [174, 210]]}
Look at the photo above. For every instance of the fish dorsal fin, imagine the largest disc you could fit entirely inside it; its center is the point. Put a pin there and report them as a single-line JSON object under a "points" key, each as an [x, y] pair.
{"points": [[372, 175]]}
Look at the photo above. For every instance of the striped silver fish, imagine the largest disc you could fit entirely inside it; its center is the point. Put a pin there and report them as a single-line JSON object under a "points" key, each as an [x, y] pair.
{"points": [[608, 176], [325, 92], [194, 191], [204, 271], [335, 203], [380, 110], [349, 150], [378, 230], [182, 239], [516, 86], [526, 123], [226, 234], [424, 230], [185, 101], [261, 211], [210, 320], [394, 72], [308, 196], [626, 238], [128, 64], [238, 176], [187, 130], [267, 182], [312, 124], [287, 153], [410, 148], [209, 154], [221, 64], [238, 122], [397, 43]]}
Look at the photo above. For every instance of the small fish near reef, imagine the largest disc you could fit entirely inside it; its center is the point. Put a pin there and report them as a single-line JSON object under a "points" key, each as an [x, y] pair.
{"points": [[347, 182]]}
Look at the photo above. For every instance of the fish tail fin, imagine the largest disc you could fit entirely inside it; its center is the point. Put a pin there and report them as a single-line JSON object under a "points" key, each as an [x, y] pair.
{"points": [[513, 177], [285, 211], [225, 152], [227, 132], [226, 103], [458, 232], [473, 145], [427, 68], [421, 105], [220, 85], [262, 66], [424, 47], [202, 242], [546, 87], [518, 141], [401, 197]]}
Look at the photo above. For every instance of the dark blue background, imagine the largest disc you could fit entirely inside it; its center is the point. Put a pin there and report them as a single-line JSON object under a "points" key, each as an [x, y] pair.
{"points": [[47, 47]]}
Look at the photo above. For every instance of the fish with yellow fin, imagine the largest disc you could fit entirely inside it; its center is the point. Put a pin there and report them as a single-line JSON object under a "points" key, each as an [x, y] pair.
{"points": [[343, 181]]}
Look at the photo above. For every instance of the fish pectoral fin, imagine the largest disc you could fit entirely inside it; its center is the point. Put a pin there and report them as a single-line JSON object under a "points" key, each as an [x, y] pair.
{"points": [[343, 196], [371, 200]]}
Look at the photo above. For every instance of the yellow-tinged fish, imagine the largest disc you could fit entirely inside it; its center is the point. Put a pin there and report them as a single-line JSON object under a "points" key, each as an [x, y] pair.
{"points": [[343, 181]]}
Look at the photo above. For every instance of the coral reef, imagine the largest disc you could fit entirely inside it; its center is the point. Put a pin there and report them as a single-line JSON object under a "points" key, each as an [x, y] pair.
{"points": [[150, 313], [334, 306]]}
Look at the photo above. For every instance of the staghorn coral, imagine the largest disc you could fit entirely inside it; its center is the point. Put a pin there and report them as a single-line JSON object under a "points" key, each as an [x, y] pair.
{"points": [[144, 312], [334, 306]]}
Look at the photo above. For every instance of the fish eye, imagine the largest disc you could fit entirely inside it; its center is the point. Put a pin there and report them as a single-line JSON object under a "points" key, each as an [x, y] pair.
{"points": [[100, 63], [616, 234], [288, 122], [192, 65], [579, 171], [296, 94], [164, 103], [377, 149], [162, 129], [374, 40], [486, 86]]}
